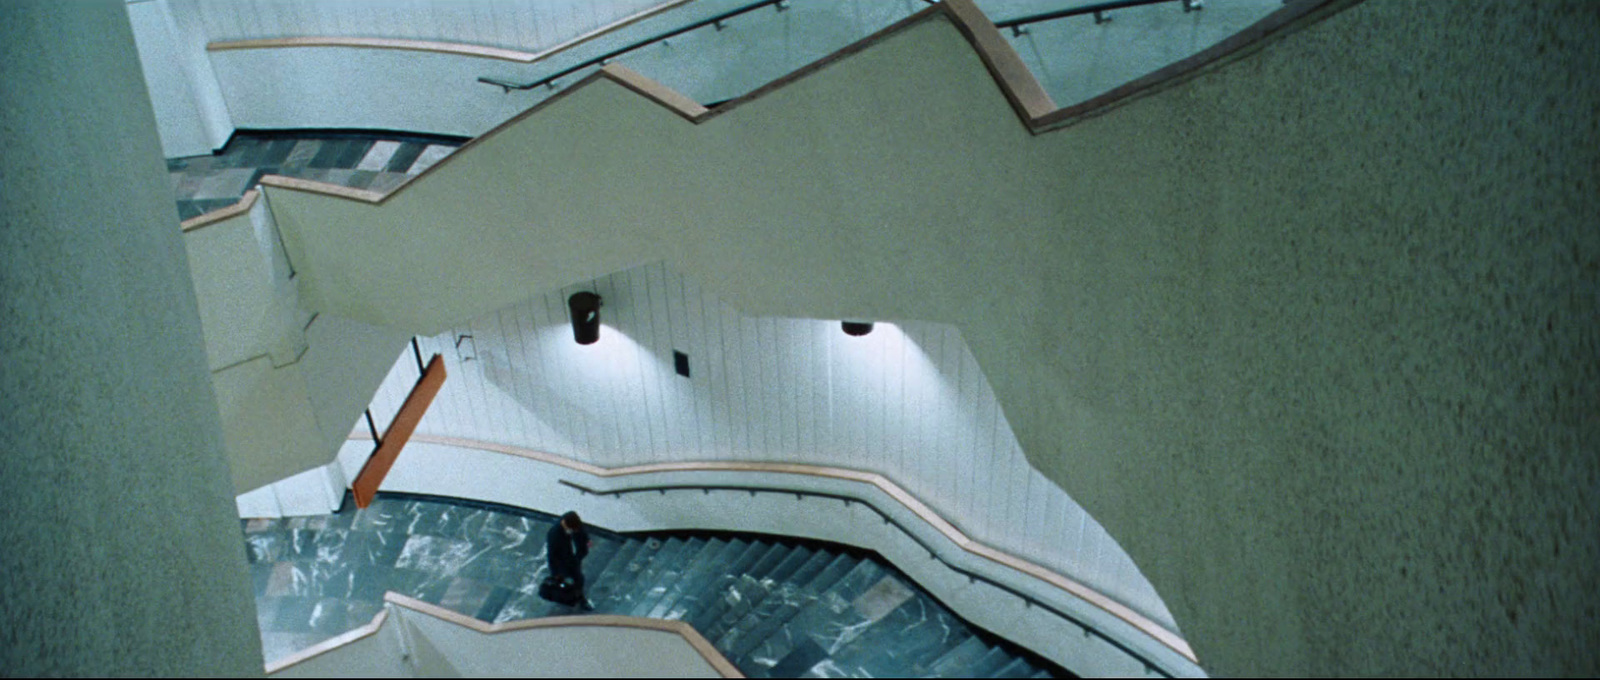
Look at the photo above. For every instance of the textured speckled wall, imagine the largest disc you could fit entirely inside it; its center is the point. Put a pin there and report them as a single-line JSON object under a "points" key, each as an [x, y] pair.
{"points": [[121, 552], [1313, 335], [1330, 329]]}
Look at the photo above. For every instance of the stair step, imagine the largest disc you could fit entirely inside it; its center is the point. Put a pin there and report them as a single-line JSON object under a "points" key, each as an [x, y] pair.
{"points": [[919, 631], [786, 598], [954, 663], [627, 578], [824, 626], [603, 583], [987, 664], [773, 638], [691, 585], [1018, 668], [601, 551], [648, 577], [723, 594], [754, 587], [666, 576]]}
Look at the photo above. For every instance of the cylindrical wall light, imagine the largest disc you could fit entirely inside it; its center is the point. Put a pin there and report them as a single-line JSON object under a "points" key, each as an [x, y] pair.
{"points": [[585, 308], [856, 328]]}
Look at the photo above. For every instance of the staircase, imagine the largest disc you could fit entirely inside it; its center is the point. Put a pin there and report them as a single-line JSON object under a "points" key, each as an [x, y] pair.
{"points": [[775, 607]]}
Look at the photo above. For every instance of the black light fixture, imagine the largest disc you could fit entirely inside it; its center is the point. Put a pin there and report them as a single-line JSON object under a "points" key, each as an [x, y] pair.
{"points": [[856, 328], [585, 308]]}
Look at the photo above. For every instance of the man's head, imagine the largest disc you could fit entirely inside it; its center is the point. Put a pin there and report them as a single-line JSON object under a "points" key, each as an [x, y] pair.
{"points": [[570, 521]]}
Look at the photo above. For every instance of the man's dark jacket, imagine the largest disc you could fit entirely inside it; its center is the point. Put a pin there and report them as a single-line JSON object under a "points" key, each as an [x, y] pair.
{"points": [[566, 551]]}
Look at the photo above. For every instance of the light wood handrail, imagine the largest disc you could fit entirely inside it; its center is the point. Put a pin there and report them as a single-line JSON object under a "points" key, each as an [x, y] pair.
{"points": [[698, 642], [926, 514], [701, 646], [362, 632], [247, 201], [462, 49]]}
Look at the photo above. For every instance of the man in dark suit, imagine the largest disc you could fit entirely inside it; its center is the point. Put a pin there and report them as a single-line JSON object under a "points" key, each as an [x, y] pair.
{"points": [[567, 545]]}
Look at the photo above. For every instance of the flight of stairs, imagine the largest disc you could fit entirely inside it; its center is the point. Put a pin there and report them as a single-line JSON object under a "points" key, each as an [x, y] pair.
{"points": [[775, 607]]}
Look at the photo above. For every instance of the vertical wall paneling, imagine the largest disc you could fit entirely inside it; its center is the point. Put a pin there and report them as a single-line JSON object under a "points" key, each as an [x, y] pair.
{"points": [[907, 400]]}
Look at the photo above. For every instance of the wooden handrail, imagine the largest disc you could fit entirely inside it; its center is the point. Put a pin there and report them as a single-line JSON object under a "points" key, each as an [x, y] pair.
{"points": [[247, 201], [701, 645], [696, 641], [399, 432], [361, 632], [462, 49], [883, 484]]}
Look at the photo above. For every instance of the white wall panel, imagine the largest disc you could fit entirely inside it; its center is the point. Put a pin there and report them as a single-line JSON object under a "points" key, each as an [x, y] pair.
{"points": [[908, 401]]}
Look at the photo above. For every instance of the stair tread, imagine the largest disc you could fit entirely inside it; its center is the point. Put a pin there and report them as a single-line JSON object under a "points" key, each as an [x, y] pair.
{"points": [[691, 584], [904, 642], [627, 576], [672, 568], [821, 628], [1018, 668], [990, 662], [716, 601], [648, 576], [604, 582], [954, 662], [775, 637], [782, 601], [754, 587]]}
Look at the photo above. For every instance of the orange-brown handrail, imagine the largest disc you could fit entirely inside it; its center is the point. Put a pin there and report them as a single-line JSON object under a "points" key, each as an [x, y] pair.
{"points": [[365, 486]]}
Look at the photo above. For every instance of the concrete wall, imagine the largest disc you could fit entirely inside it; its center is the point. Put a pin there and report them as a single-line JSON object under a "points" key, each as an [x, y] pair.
{"points": [[1311, 335], [289, 384], [121, 551]]}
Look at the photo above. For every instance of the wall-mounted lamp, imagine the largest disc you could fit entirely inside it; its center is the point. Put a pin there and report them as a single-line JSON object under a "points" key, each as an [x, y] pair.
{"points": [[585, 308], [856, 328]]}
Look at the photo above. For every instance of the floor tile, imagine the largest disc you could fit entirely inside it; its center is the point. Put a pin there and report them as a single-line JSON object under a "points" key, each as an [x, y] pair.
{"points": [[229, 183], [354, 151], [378, 156], [301, 156], [328, 154], [405, 156], [430, 156]]}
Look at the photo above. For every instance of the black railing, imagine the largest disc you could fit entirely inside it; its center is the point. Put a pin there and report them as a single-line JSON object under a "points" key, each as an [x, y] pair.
{"points": [[972, 576], [602, 59], [1098, 10]]}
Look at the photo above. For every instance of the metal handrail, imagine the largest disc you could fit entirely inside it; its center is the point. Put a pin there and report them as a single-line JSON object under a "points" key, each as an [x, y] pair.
{"points": [[1098, 10], [972, 576], [602, 59]]}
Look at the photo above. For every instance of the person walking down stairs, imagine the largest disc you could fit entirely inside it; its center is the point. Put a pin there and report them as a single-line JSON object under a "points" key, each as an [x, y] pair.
{"points": [[567, 545]]}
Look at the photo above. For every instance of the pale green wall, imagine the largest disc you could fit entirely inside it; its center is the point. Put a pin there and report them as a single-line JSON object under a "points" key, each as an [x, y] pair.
{"points": [[1312, 335], [121, 553]]}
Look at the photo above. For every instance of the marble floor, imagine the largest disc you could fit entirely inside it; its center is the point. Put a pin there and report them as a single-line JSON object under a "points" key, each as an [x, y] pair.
{"points": [[776, 607], [374, 161]]}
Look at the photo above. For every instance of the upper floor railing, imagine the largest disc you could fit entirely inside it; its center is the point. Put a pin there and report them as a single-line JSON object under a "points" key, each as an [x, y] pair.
{"points": [[1017, 25]]}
